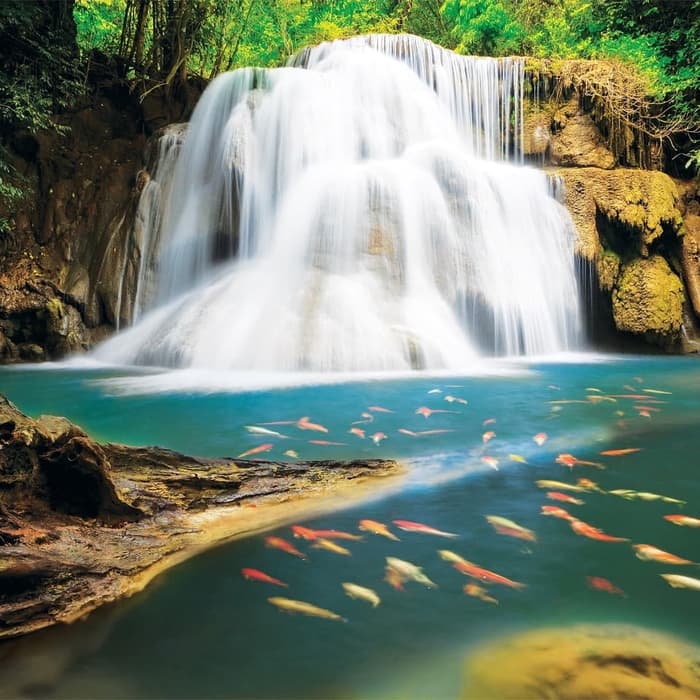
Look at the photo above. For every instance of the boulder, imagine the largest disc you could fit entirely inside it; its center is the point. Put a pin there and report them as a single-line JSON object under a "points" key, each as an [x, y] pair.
{"points": [[648, 299]]}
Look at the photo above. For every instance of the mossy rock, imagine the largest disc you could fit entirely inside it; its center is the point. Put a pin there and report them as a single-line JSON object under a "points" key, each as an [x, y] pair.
{"points": [[603, 662], [608, 268], [55, 308], [648, 299], [641, 205]]}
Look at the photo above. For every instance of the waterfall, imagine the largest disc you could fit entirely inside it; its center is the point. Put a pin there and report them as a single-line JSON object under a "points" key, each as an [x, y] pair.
{"points": [[149, 216], [355, 210]]}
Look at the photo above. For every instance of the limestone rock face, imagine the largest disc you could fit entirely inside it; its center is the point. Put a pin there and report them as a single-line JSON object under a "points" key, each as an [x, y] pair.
{"points": [[605, 662], [648, 299], [641, 203], [537, 133], [576, 140], [630, 225], [73, 238]]}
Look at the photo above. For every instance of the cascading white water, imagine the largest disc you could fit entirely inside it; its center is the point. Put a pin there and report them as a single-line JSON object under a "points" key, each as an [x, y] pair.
{"points": [[353, 211]]}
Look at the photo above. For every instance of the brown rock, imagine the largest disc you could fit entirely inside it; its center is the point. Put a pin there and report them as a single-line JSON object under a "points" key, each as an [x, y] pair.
{"points": [[576, 140], [537, 134], [83, 524], [641, 204]]}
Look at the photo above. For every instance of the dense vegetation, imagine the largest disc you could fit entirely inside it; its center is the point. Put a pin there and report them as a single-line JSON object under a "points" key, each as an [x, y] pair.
{"points": [[48, 47], [158, 38]]}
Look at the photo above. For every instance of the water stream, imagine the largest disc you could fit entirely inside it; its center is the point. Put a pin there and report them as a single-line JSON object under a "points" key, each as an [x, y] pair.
{"points": [[353, 211]]}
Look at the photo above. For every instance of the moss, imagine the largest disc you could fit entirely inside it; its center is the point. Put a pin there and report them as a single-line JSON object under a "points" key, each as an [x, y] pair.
{"points": [[608, 268], [55, 308], [647, 202], [640, 204], [648, 299]]}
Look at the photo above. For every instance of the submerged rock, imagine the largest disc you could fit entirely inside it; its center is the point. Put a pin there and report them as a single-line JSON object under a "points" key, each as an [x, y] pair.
{"points": [[83, 524], [585, 662]]}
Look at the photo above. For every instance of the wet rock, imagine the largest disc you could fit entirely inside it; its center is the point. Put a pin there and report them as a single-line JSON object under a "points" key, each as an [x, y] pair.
{"points": [[537, 133], [83, 524], [70, 241], [604, 662], [38, 321]]}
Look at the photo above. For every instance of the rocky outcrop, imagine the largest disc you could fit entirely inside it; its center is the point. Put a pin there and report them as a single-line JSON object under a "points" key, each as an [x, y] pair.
{"points": [[638, 228], [623, 210], [58, 294], [69, 264], [39, 320], [601, 662], [576, 141], [564, 135], [630, 226], [83, 524], [648, 299]]}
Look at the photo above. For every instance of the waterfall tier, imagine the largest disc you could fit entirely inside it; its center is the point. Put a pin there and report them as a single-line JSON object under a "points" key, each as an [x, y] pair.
{"points": [[353, 211]]}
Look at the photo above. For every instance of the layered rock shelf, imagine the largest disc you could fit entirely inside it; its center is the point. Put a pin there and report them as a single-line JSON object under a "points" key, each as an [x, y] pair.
{"points": [[83, 524]]}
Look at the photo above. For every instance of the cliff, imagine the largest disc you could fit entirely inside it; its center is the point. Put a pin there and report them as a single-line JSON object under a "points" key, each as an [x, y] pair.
{"points": [[66, 265], [637, 226]]}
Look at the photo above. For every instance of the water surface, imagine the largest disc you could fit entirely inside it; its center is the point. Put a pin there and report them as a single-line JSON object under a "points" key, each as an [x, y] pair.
{"points": [[201, 630]]}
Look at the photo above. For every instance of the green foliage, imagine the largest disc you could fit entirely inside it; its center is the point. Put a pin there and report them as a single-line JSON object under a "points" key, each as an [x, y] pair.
{"points": [[37, 56], [484, 26], [11, 190], [99, 23], [659, 40], [38, 77], [225, 34], [160, 41]]}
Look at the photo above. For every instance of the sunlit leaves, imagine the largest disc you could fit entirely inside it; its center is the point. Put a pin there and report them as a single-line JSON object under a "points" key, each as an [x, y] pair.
{"points": [[99, 23], [484, 26]]}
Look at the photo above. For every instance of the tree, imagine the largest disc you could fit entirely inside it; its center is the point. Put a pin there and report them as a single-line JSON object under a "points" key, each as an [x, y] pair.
{"points": [[38, 53]]}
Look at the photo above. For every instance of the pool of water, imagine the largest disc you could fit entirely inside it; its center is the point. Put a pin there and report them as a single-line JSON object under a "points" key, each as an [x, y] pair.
{"points": [[202, 630]]}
